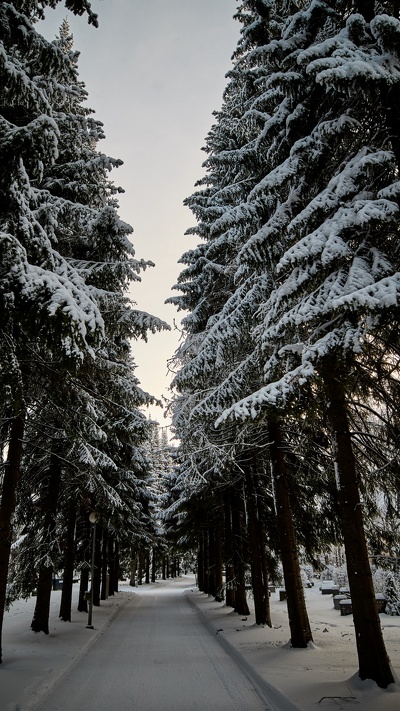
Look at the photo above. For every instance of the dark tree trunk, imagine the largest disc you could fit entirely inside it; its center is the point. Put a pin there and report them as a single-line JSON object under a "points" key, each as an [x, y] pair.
{"points": [[212, 578], [116, 567], [257, 559], [96, 582], [83, 554], [147, 568], [366, 8], [133, 568], [241, 606], [40, 622], [153, 565], [83, 543], [7, 508], [83, 588], [372, 656], [214, 557], [69, 560], [104, 566], [111, 564], [219, 594], [164, 567], [228, 550], [173, 568], [200, 562], [300, 630], [140, 567], [206, 586]]}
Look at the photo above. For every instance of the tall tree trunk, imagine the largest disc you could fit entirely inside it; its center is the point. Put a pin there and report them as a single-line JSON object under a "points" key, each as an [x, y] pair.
{"points": [[69, 560], [84, 551], [147, 568], [372, 656], [116, 572], [366, 8], [257, 560], [133, 568], [153, 564], [241, 606], [212, 578], [83, 589], [104, 565], [206, 584], [228, 554], [96, 582], [140, 567], [219, 594], [200, 562], [300, 630], [111, 564], [40, 621], [7, 508]]}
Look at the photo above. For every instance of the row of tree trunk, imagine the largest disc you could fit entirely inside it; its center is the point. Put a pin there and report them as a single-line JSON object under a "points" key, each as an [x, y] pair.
{"points": [[234, 537], [105, 572], [148, 564]]}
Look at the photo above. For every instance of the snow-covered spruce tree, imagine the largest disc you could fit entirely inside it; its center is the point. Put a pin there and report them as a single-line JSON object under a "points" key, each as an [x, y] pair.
{"points": [[45, 304], [161, 456], [225, 357], [337, 291], [68, 252]]}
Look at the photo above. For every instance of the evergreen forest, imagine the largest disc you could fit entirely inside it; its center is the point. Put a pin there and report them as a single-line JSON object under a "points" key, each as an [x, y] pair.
{"points": [[286, 393], [76, 444], [286, 399]]}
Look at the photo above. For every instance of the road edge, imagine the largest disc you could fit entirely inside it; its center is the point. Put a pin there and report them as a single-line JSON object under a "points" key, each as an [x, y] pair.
{"points": [[275, 700], [79, 654]]}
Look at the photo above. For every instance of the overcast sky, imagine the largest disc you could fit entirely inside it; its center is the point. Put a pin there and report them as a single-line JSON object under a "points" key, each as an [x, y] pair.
{"points": [[155, 71]]}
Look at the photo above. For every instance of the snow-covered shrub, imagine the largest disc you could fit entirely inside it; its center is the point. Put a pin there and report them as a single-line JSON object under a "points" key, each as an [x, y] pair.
{"points": [[379, 577], [392, 594], [304, 576], [308, 571], [340, 576]]}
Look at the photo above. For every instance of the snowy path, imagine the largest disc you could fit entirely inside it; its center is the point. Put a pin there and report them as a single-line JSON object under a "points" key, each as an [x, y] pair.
{"points": [[156, 656]]}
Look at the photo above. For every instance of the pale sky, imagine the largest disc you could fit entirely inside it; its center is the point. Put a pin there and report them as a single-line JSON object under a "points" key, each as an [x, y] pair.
{"points": [[155, 71]]}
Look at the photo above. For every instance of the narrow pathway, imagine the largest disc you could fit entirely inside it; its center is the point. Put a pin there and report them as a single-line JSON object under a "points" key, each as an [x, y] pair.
{"points": [[155, 656]]}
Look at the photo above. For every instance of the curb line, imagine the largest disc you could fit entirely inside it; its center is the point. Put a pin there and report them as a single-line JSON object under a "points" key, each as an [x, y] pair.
{"points": [[80, 652], [272, 697]]}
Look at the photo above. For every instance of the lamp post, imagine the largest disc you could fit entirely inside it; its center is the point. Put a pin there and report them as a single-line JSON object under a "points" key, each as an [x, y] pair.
{"points": [[93, 519]]}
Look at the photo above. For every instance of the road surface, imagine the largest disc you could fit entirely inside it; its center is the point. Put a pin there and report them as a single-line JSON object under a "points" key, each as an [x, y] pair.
{"points": [[156, 655]]}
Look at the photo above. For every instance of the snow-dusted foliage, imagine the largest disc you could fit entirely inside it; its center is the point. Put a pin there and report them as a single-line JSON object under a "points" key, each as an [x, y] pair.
{"points": [[293, 293], [336, 226], [392, 594], [68, 324]]}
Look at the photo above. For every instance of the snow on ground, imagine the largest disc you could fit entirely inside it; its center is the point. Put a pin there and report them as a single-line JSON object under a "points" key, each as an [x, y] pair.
{"points": [[324, 676], [34, 662]]}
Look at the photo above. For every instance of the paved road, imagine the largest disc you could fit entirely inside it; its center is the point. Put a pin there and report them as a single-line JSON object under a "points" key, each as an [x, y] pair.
{"points": [[155, 656]]}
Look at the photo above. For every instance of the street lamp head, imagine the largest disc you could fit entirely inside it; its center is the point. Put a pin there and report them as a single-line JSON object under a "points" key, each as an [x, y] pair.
{"points": [[93, 517]]}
